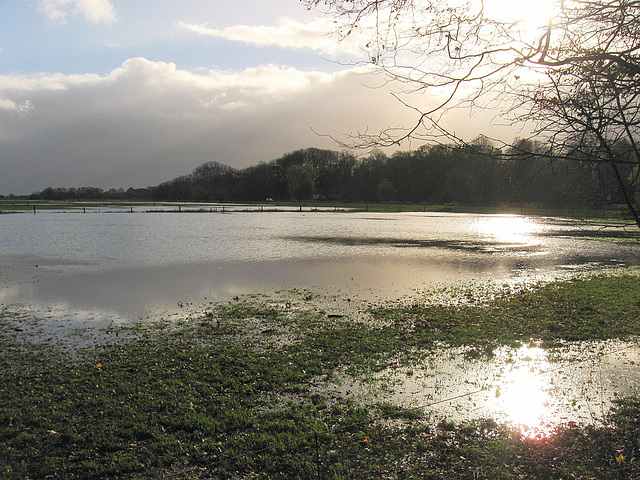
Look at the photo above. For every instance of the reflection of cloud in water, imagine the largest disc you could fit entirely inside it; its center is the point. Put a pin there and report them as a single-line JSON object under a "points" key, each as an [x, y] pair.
{"points": [[132, 292]]}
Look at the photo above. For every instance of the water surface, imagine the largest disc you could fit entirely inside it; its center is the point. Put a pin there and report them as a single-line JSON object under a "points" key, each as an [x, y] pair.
{"points": [[126, 264]]}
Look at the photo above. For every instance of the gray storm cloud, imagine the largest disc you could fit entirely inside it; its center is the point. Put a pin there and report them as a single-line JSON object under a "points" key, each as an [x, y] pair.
{"points": [[146, 122]]}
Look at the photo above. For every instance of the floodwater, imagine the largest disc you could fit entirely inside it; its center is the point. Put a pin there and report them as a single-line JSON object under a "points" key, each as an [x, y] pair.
{"points": [[128, 264], [531, 387], [121, 266]]}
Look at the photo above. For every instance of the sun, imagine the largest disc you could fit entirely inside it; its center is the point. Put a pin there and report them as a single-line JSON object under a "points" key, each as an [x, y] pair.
{"points": [[533, 14]]}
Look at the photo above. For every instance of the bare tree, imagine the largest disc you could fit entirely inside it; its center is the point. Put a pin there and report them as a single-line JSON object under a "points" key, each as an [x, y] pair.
{"points": [[574, 80], [587, 106]]}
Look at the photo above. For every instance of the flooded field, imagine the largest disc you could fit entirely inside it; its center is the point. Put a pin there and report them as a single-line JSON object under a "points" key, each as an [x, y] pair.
{"points": [[527, 386], [67, 278], [126, 264]]}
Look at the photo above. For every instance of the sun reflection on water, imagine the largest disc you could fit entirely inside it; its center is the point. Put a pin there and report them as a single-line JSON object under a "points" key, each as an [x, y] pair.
{"points": [[531, 389], [523, 391], [508, 229]]}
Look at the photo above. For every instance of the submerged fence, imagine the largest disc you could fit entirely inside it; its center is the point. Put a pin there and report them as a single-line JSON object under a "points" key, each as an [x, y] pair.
{"points": [[35, 206], [71, 207]]}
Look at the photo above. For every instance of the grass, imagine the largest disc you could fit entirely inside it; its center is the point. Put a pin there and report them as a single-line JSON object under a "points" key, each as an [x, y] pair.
{"points": [[601, 214], [230, 395], [598, 308]]}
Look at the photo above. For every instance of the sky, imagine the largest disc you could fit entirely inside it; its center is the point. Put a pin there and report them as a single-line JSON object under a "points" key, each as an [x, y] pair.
{"points": [[132, 93]]}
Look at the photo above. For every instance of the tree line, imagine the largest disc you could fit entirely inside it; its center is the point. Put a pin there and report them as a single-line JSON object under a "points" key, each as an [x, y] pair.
{"points": [[476, 175]]}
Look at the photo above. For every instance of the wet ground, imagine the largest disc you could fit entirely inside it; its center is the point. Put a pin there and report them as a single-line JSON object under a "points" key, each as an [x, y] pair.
{"points": [[531, 387], [72, 281]]}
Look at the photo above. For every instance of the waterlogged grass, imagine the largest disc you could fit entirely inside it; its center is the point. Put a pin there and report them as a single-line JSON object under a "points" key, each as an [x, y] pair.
{"points": [[229, 395], [601, 307]]}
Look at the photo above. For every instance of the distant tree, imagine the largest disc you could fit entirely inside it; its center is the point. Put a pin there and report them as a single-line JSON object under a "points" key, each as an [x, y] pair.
{"points": [[334, 171], [115, 193], [301, 181], [368, 173], [483, 177], [387, 191], [340, 181], [211, 170], [213, 181], [178, 189], [139, 193], [435, 162], [89, 193], [259, 182]]}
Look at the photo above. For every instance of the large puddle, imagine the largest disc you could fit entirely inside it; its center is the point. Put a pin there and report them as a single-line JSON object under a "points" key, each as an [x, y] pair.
{"points": [[129, 264], [524, 386]]}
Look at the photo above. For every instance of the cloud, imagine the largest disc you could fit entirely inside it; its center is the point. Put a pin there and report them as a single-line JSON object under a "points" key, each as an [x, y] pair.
{"points": [[146, 122], [23, 108], [6, 104], [93, 11], [288, 34]]}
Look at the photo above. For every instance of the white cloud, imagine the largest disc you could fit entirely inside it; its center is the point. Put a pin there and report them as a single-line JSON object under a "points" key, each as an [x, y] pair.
{"points": [[288, 34], [6, 104], [93, 11], [23, 108]]}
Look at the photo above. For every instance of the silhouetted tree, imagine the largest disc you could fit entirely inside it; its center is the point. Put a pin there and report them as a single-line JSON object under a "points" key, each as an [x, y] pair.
{"points": [[213, 182], [576, 79]]}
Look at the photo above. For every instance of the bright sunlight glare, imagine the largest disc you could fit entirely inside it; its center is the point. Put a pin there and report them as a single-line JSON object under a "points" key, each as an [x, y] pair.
{"points": [[523, 394], [508, 229], [531, 13]]}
